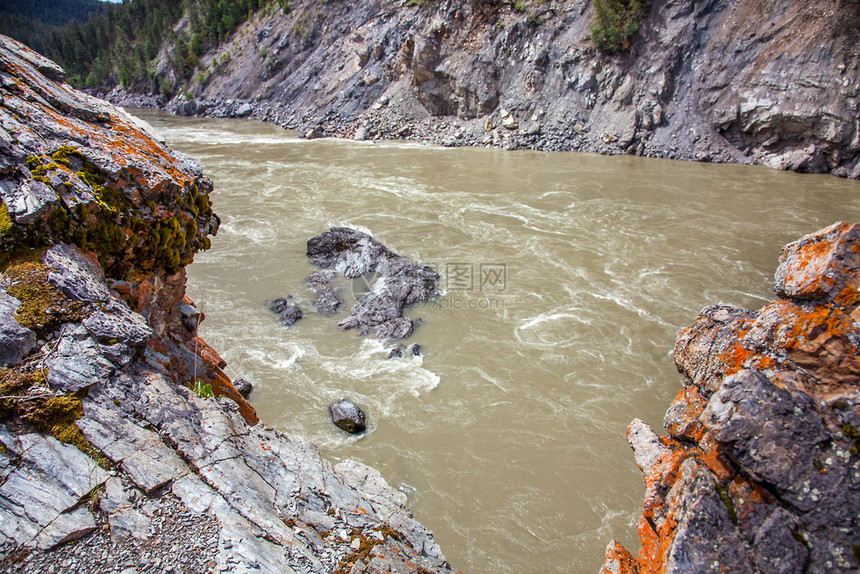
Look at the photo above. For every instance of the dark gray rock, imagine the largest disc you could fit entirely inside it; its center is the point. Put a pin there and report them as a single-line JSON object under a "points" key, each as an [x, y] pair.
{"points": [[118, 323], [398, 282], [287, 311], [15, 341], [327, 302], [783, 440], [78, 276], [243, 386], [77, 362], [191, 316], [776, 546], [416, 350], [119, 354], [348, 252], [706, 540], [347, 416], [396, 351]]}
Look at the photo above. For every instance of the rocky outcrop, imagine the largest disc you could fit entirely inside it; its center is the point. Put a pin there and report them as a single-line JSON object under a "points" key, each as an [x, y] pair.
{"points": [[396, 282], [118, 427], [773, 82], [760, 470]]}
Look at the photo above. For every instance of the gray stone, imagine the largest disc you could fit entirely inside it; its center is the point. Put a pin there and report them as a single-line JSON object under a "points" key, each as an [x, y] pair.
{"points": [[129, 523], [77, 362], [78, 276], [15, 341], [115, 496], [38, 498], [244, 387], [119, 323], [287, 311], [347, 416], [244, 111], [26, 199]]}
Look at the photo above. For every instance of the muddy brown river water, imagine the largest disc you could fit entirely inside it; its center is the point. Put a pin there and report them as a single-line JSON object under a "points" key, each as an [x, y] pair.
{"points": [[565, 281]]}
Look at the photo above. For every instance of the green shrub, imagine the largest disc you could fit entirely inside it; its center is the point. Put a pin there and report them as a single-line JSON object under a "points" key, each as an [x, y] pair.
{"points": [[616, 22]]}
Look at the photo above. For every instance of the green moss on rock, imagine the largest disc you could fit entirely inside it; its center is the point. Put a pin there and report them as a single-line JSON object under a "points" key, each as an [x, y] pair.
{"points": [[44, 308]]}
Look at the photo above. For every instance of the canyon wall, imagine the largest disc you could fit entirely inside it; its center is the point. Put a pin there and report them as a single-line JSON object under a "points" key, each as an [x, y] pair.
{"points": [[771, 82]]}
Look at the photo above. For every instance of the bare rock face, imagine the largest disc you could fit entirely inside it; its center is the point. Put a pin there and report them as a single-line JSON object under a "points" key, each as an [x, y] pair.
{"points": [[760, 471], [739, 81], [397, 284], [109, 432]]}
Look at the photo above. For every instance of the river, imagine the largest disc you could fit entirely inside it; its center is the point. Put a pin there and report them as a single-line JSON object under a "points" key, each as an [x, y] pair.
{"points": [[565, 281]]}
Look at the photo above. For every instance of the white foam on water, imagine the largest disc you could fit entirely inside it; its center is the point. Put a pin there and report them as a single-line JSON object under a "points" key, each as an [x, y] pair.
{"points": [[404, 375]]}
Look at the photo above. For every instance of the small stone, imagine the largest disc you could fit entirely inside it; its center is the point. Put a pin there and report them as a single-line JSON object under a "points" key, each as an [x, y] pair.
{"points": [[360, 134], [243, 386], [288, 311], [508, 119], [356, 543]]}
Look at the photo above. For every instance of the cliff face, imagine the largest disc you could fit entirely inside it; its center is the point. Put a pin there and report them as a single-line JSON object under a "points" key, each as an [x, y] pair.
{"points": [[117, 425], [760, 470], [754, 81]]}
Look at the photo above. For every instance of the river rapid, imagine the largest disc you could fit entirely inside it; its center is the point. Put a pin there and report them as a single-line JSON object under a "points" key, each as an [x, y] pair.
{"points": [[566, 279]]}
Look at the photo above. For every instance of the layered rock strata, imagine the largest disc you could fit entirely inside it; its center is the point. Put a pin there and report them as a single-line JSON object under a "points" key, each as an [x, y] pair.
{"points": [[102, 439], [774, 82], [760, 469]]}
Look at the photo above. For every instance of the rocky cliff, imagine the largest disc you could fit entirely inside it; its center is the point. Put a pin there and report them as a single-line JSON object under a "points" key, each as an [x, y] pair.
{"points": [[760, 470], [773, 82], [118, 427]]}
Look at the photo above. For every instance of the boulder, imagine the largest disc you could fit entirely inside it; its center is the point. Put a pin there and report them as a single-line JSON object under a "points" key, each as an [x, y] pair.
{"points": [[77, 363], [398, 282], [287, 311], [347, 416]]}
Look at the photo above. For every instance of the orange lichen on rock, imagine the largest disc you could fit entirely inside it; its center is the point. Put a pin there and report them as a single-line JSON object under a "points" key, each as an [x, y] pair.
{"points": [[822, 266], [619, 560], [805, 345]]}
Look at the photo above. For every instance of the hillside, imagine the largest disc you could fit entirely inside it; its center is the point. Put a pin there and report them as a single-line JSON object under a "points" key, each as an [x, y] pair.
{"points": [[33, 22], [772, 82]]}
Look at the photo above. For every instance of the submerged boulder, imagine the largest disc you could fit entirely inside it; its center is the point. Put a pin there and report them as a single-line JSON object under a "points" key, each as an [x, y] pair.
{"points": [[288, 312], [347, 416]]}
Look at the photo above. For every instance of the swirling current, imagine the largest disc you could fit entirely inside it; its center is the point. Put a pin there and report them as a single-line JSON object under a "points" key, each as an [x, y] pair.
{"points": [[565, 280]]}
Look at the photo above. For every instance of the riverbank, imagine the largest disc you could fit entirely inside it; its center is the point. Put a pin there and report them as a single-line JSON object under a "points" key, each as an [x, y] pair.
{"points": [[118, 422], [752, 82]]}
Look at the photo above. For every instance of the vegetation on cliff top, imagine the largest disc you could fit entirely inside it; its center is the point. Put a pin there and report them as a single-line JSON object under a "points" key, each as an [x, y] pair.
{"points": [[121, 44], [33, 22], [616, 22]]}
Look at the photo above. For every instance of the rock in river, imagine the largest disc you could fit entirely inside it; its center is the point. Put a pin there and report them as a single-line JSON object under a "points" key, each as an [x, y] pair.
{"points": [[401, 282], [347, 416], [288, 311]]}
